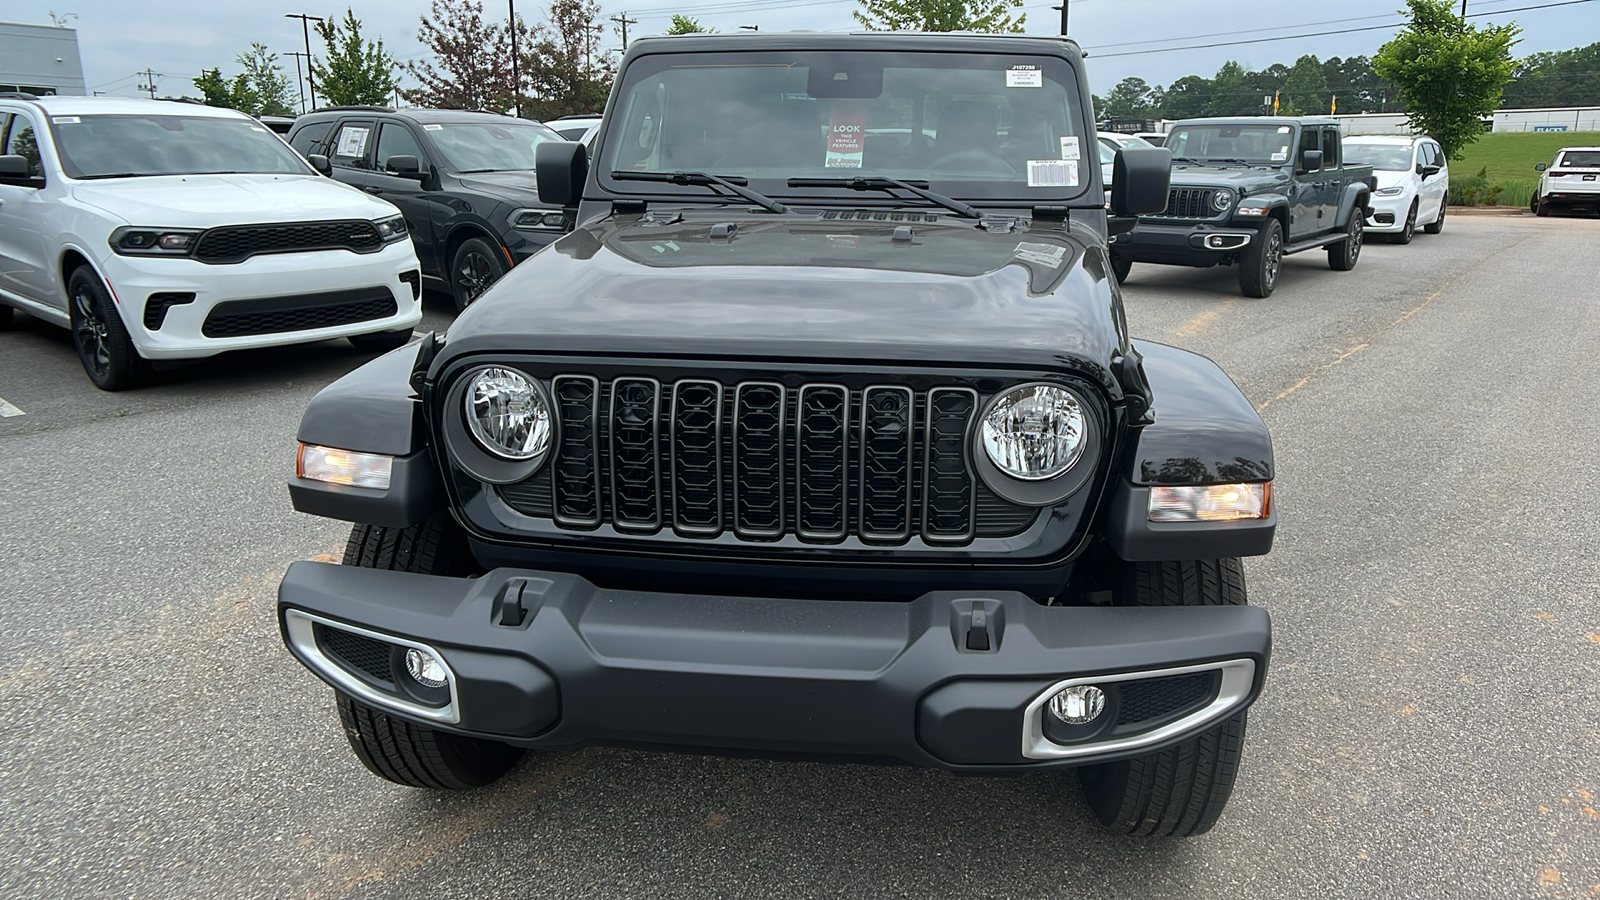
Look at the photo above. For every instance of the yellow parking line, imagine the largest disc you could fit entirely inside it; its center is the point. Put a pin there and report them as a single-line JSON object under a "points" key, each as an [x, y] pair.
{"points": [[7, 410]]}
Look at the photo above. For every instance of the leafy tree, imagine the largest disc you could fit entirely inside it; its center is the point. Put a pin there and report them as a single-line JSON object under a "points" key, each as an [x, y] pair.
{"points": [[471, 68], [1130, 99], [268, 83], [353, 71], [1564, 78], [1449, 74], [217, 90], [569, 72], [940, 15], [1186, 98], [687, 25], [1306, 87], [1228, 92]]}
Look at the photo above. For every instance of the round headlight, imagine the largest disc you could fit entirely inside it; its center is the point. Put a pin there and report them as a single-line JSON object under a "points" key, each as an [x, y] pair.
{"points": [[1221, 200], [508, 414], [1034, 432]]}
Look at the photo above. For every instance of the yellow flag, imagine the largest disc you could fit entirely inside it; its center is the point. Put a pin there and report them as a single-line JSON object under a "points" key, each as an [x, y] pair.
{"points": [[1333, 105], [1274, 102]]}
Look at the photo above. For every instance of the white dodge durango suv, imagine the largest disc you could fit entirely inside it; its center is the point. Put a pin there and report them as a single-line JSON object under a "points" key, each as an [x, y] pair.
{"points": [[159, 230]]}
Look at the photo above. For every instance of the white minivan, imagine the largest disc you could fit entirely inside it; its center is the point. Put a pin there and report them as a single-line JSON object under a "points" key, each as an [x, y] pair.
{"points": [[1413, 183], [159, 230]]}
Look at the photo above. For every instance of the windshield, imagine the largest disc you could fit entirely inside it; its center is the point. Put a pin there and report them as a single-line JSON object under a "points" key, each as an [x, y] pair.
{"points": [[967, 124], [1266, 145], [132, 146], [1383, 157], [489, 146], [1581, 159]]}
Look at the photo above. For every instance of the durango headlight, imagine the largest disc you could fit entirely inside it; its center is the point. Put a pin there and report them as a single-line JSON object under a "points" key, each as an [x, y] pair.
{"points": [[1034, 432], [134, 241], [508, 414], [1221, 200], [392, 228], [541, 219]]}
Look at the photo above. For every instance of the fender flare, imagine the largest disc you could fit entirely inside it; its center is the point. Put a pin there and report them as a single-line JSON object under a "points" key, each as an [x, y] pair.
{"points": [[1358, 194]]}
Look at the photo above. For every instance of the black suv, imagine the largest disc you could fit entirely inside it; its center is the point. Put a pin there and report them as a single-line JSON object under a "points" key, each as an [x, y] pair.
{"points": [[830, 440], [464, 181]]}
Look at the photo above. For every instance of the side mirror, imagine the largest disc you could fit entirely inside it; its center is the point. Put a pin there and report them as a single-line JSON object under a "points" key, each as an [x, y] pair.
{"points": [[1540, 167], [560, 168], [320, 163], [1140, 179], [403, 167], [1311, 161], [1430, 171], [14, 170]]}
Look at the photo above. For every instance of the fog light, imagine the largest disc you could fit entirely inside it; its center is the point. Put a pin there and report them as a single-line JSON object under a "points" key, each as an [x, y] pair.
{"points": [[426, 668], [1079, 704], [1211, 502], [346, 467]]}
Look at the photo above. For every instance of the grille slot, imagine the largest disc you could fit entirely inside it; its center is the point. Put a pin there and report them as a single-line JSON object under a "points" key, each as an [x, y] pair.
{"points": [[886, 448], [822, 450], [1189, 203], [759, 410], [1159, 698], [236, 243], [697, 457], [949, 488], [276, 315], [356, 651], [576, 467], [635, 454]]}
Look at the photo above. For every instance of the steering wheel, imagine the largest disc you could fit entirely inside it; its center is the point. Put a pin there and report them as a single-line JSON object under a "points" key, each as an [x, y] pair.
{"points": [[974, 161]]}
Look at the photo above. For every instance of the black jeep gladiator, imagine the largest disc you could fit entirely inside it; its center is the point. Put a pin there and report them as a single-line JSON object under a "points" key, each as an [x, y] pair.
{"points": [[1251, 191], [821, 434]]}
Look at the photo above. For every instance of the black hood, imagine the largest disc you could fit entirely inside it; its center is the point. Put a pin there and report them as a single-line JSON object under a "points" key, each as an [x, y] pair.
{"points": [[517, 188], [1244, 179], [801, 287]]}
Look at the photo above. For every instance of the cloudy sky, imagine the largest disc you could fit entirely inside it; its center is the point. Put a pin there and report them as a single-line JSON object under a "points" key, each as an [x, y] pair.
{"points": [[179, 38]]}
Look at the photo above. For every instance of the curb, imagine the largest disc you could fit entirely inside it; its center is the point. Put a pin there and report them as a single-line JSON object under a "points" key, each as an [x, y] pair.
{"points": [[1489, 211]]}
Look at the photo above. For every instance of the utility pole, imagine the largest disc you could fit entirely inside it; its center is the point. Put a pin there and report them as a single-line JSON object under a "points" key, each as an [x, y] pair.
{"points": [[516, 64], [1463, 10], [1063, 8], [305, 28], [301, 79], [149, 83], [624, 21]]}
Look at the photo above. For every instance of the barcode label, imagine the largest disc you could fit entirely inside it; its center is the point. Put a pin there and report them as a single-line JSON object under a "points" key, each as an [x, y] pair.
{"points": [[1052, 173]]}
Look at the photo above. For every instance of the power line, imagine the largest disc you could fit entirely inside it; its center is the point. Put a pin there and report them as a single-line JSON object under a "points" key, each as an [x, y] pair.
{"points": [[624, 21]]}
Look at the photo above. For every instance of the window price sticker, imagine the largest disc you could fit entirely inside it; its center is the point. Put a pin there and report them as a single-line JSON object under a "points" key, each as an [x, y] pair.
{"points": [[1052, 173], [1069, 147], [66, 120], [1024, 77], [433, 128]]}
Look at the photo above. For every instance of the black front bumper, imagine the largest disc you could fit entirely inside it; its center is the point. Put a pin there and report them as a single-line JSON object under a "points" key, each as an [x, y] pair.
{"points": [[909, 681], [1183, 244]]}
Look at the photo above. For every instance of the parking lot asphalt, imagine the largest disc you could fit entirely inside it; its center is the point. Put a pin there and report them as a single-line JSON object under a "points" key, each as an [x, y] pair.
{"points": [[1429, 727]]}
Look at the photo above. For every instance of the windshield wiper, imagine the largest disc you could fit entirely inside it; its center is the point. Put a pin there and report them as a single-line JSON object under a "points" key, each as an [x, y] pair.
{"points": [[112, 175], [1240, 162], [734, 183], [881, 183], [1185, 159]]}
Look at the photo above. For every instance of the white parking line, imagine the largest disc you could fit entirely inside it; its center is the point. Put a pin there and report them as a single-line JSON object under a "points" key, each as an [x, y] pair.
{"points": [[7, 410]]}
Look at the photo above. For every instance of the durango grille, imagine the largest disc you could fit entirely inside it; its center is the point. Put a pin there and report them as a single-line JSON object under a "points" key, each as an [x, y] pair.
{"points": [[764, 460], [236, 243], [1189, 203]]}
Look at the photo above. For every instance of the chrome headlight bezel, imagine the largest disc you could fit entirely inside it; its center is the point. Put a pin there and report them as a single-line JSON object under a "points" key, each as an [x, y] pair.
{"points": [[391, 228], [1222, 200], [1046, 490], [474, 450]]}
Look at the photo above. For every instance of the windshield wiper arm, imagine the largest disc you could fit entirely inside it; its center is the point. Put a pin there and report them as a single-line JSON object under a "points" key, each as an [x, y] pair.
{"points": [[881, 183], [734, 183], [1185, 159]]}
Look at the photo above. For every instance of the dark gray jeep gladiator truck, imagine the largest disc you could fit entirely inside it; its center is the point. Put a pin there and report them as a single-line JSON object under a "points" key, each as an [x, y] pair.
{"points": [[820, 435], [1250, 191]]}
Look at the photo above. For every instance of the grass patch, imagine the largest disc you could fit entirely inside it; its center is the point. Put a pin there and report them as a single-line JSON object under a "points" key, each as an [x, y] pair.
{"points": [[1481, 190], [1511, 155]]}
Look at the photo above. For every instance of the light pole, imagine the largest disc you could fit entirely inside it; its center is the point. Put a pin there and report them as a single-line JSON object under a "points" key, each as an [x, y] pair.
{"points": [[305, 28], [300, 78], [1063, 8]]}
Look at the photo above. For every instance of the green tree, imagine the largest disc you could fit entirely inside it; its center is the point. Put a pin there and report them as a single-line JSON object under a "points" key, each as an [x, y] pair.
{"points": [[687, 25], [1130, 99], [569, 72], [471, 65], [1306, 86], [941, 15], [353, 71], [1449, 74], [1186, 98], [268, 84], [1564, 78], [1228, 93]]}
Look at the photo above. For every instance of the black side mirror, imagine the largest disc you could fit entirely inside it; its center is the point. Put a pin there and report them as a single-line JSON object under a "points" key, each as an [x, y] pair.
{"points": [[1430, 171], [15, 171], [1140, 178], [1540, 167], [403, 167], [1311, 161], [560, 168], [320, 163]]}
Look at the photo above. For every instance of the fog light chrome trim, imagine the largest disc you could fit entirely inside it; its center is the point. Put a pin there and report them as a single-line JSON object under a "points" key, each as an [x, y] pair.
{"points": [[1238, 675], [302, 640]]}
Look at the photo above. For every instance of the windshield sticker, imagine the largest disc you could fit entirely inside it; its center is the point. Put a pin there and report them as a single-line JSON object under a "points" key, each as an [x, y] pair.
{"points": [[433, 128], [1024, 76], [258, 128], [1052, 173], [1043, 254], [846, 136], [352, 142], [66, 120], [1280, 155], [1283, 129], [1069, 147]]}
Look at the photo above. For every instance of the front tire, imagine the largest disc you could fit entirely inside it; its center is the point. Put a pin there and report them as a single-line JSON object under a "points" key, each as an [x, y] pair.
{"points": [[1261, 261], [1541, 209], [107, 353], [393, 748], [1343, 256], [1120, 267], [1409, 230], [1182, 790], [475, 267]]}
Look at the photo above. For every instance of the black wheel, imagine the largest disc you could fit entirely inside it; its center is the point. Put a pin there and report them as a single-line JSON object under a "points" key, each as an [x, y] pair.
{"points": [[1437, 225], [107, 353], [476, 266], [1261, 260], [1541, 209], [1120, 267], [1182, 790], [1342, 257], [392, 748], [380, 342], [1410, 228]]}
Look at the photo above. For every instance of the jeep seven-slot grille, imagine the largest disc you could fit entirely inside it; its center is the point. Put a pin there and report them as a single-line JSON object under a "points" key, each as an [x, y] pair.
{"points": [[1189, 203], [763, 460]]}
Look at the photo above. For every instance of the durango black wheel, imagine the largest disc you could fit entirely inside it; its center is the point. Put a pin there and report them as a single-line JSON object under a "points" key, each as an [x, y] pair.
{"points": [[107, 353], [1182, 790], [476, 266], [1261, 260], [1342, 256]]}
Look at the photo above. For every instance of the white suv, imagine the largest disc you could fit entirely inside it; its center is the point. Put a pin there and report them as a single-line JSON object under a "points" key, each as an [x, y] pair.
{"points": [[159, 230], [1571, 180], [1413, 183]]}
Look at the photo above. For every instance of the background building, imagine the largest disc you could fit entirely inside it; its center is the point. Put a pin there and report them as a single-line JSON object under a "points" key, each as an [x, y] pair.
{"points": [[40, 59]]}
